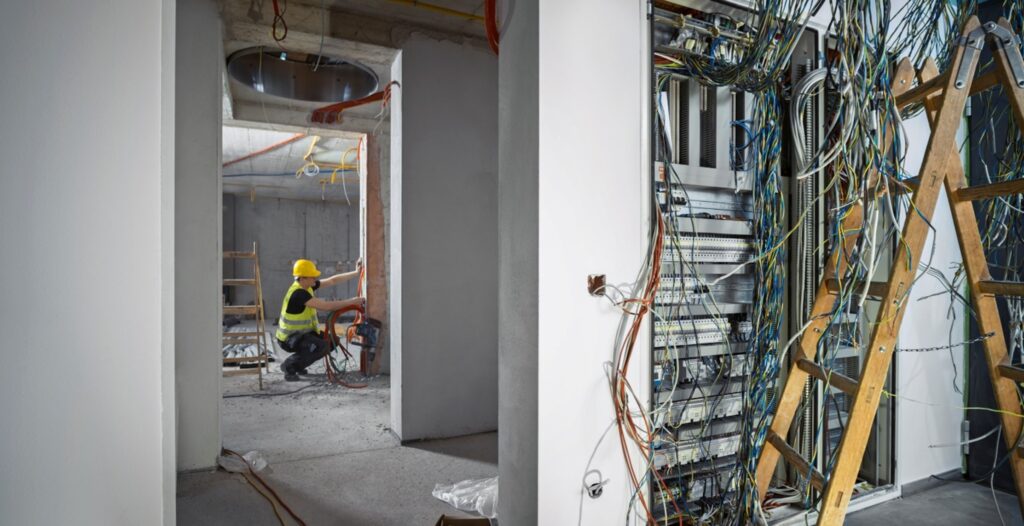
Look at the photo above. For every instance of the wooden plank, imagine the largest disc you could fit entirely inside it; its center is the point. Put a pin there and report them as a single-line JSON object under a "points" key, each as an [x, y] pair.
{"points": [[253, 333], [239, 282], [824, 303], [1001, 288], [988, 191], [892, 309], [241, 310], [1013, 372], [800, 463], [839, 381], [234, 254], [243, 372], [245, 359], [875, 288], [934, 87]]}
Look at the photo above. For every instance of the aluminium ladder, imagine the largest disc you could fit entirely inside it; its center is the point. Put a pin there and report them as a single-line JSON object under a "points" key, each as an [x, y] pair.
{"points": [[257, 337], [945, 97]]}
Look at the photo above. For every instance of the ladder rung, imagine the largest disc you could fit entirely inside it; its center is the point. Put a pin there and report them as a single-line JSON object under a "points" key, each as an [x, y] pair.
{"points": [[242, 372], [239, 282], [241, 309], [839, 381], [1013, 372], [876, 288], [1001, 288], [244, 359], [240, 341], [242, 334], [987, 191], [232, 254], [918, 94], [794, 458]]}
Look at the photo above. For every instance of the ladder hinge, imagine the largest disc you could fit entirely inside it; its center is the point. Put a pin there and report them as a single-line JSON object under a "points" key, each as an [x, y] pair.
{"points": [[1007, 41], [974, 43]]}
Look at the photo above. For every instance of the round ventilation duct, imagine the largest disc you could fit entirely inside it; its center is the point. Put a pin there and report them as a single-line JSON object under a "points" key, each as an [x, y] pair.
{"points": [[301, 76]]}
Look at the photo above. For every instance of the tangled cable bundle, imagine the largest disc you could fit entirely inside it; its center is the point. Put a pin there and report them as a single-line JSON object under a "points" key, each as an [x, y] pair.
{"points": [[859, 162]]}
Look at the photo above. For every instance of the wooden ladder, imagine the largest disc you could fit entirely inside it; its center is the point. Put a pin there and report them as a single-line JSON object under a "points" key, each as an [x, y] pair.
{"points": [[945, 97], [259, 336]]}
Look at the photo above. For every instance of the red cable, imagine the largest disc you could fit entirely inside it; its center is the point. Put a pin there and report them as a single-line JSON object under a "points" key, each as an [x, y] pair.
{"points": [[333, 376], [491, 23]]}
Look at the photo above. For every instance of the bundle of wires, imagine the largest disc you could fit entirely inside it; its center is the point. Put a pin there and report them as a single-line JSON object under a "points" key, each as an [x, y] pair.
{"points": [[861, 164]]}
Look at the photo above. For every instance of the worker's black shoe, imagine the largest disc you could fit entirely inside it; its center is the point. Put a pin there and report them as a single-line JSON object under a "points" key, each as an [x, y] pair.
{"points": [[303, 372], [289, 374]]}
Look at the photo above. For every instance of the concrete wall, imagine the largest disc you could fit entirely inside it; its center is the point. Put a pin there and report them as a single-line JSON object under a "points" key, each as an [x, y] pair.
{"points": [[86, 391], [198, 267], [518, 182], [285, 230], [448, 256], [587, 214]]}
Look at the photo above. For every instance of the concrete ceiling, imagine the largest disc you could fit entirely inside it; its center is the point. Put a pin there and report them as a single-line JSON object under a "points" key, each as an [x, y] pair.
{"points": [[369, 32], [403, 12], [272, 174]]}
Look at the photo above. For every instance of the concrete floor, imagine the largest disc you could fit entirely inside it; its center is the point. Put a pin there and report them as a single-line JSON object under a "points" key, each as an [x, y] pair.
{"points": [[953, 503], [332, 457]]}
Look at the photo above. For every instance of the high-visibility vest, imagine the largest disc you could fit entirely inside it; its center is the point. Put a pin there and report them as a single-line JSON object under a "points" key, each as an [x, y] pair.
{"points": [[289, 324]]}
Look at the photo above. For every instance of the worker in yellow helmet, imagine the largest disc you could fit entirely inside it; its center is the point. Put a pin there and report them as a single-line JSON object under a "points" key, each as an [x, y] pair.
{"points": [[298, 331]]}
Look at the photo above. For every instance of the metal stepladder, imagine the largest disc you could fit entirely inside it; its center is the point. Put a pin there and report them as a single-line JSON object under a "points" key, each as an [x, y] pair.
{"points": [[945, 97], [258, 336]]}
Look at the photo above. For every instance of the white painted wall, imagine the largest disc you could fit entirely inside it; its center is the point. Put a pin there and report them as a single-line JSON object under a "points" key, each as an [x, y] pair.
{"points": [[86, 391], [446, 384], [198, 262], [593, 166], [929, 377], [928, 408]]}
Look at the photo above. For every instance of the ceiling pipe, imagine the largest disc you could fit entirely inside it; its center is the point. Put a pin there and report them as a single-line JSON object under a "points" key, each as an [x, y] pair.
{"points": [[272, 147], [440, 9]]}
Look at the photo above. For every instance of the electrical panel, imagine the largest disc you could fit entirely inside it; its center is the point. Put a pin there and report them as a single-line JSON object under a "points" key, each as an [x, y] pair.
{"points": [[702, 188]]}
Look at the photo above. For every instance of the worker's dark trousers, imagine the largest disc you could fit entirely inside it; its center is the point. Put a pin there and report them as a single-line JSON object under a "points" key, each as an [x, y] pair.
{"points": [[306, 349]]}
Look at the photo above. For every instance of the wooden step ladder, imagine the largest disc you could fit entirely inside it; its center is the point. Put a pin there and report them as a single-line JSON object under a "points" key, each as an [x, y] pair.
{"points": [[945, 97], [259, 336]]}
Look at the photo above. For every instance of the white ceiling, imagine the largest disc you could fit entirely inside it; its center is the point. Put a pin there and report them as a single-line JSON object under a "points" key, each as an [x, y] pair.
{"points": [[272, 174]]}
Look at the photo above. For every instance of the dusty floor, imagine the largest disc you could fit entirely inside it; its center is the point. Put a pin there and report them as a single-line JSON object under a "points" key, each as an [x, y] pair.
{"points": [[332, 458]]}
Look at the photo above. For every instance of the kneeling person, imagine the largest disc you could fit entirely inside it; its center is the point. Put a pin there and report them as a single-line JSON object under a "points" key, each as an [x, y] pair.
{"points": [[298, 331]]}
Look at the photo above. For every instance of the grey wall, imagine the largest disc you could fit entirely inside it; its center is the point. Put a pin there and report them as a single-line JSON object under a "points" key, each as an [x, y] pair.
{"points": [[448, 256], [198, 267], [86, 390], [518, 267], [286, 230]]}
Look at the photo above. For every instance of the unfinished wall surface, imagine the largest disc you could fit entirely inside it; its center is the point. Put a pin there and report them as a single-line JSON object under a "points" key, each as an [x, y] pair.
{"points": [[198, 267], [447, 252], [86, 390], [285, 230], [518, 180]]}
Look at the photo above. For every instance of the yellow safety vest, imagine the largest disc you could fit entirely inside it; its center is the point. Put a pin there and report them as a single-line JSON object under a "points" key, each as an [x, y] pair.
{"points": [[289, 324]]}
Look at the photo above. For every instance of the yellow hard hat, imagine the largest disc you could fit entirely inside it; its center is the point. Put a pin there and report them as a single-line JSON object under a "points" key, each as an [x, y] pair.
{"points": [[305, 268]]}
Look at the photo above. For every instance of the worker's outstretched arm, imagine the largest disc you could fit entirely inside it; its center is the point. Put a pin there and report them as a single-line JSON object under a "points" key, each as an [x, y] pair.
{"points": [[343, 277], [332, 305]]}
